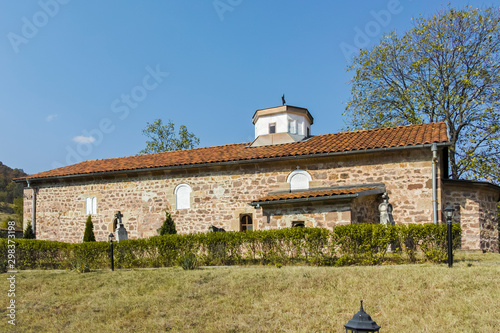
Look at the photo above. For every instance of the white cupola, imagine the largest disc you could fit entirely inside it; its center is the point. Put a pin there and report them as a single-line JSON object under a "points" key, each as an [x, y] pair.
{"points": [[281, 124]]}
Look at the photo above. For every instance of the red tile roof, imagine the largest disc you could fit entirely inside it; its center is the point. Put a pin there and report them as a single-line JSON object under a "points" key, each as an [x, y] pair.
{"points": [[320, 144], [312, 194]]}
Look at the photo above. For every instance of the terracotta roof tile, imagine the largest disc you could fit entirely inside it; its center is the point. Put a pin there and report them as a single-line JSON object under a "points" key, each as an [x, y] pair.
{"points": [[327, 143], [312, 194]]}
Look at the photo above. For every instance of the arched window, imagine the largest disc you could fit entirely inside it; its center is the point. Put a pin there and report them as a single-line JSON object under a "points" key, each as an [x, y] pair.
{"points": [[299, 180], [246, 222], [183, 196]]}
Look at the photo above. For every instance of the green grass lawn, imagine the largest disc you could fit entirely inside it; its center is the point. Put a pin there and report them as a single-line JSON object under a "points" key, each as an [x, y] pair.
{"points": [[407, 298]]}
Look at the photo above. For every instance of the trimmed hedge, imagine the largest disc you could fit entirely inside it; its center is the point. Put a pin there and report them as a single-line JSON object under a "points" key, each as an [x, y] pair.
{"points": [[355, 244]]}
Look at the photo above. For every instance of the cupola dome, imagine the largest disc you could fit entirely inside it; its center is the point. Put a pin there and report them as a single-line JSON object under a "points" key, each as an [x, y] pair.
{"points": [[281, 124]]}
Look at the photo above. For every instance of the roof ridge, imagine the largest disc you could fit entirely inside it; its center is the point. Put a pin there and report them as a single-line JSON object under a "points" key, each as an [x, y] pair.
{"points": [[391, 127], [161, 153], [249, 143], [405, 135]]}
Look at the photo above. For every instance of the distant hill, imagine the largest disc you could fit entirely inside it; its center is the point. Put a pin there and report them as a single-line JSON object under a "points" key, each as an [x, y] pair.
{"points": [[8, 173], [9, 190]]}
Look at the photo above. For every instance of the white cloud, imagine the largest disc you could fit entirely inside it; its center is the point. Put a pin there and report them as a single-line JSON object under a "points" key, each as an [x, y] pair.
{"points": [[84, 139], [50, 117]]}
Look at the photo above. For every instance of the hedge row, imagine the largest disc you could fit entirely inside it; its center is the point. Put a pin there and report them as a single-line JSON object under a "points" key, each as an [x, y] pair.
{"points": [[355, 244]]}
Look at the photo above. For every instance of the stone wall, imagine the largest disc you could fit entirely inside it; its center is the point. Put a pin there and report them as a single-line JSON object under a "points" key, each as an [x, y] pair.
{"points": [[320, 215], [475, 206], [27, 206], [221, 194], [365, 209]]}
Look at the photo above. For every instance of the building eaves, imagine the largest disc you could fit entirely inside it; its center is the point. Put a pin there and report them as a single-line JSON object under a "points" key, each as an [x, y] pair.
{"points": [[316, 195], [326, 145], [469, 183]]}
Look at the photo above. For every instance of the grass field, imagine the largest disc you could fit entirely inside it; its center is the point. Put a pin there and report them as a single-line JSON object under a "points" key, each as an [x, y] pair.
{"points": [[4, 218], [408, 298]]}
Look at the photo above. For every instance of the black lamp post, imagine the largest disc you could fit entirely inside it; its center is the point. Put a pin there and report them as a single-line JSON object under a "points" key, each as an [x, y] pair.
{"points": [[448, 212], [361, 322], [111, 251]]}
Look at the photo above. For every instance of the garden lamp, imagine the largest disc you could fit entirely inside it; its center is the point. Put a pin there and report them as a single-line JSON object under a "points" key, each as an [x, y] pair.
{"points": [[361, 322], [448, 212], [111, 251]]}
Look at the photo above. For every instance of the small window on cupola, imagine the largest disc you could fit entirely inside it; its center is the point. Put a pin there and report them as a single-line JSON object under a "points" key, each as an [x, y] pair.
{"points": [[272, 128], [292, 127]]}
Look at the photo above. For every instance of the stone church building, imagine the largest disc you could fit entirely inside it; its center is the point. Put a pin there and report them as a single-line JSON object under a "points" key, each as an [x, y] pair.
{"points": [[285, 178]]}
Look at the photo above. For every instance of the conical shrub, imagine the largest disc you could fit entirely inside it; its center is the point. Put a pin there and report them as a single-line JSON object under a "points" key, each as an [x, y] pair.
{"points": [[168, 227], [88, 236], [28, 233]]}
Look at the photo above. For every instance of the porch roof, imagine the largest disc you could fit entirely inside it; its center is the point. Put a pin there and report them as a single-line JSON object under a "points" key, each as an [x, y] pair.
{"points": [[320, 194]]}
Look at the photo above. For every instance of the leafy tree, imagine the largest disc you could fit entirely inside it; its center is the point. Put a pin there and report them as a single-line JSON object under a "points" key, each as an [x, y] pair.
{"points": [[4, 224], [6, 208], [447, 68], [88, 235], [14, 190], [163, 138], [3, 182], [168, 227], [28, 232], [9, 189], [18, 208]]}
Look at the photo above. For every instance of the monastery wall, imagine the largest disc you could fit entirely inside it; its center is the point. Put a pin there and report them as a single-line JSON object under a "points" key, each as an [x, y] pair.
{"points": [[221, 194], [476, 211]]}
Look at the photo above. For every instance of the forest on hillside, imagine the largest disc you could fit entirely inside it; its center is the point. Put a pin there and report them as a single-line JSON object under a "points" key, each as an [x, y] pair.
{"points": [[11, 195]]}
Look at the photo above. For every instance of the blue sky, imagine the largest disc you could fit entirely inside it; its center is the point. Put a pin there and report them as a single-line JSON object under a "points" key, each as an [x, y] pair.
{"points": [[79, 80]]}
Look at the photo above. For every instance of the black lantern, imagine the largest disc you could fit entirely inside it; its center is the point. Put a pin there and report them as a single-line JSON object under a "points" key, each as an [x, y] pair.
{"points": [[111, 251], [448, 212], [361, 322]]}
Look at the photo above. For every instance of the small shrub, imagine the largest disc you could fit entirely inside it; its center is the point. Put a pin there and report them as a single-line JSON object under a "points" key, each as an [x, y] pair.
{"points": [[3, 265], [81, 266], [168, 227], [28, 233], [88, 235], [90, 255], [189, 261], [410, 237], [436, 255]]}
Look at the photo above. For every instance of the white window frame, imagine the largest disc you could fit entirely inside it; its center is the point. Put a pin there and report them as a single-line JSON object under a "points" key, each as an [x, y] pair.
{"points": [[274, 126], [292, 126], [90, 205], [300, 128], [181, 201], [300, 173]]}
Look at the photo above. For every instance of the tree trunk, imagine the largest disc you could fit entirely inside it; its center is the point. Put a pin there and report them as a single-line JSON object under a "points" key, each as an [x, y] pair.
{"points": [[453, 162]]}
